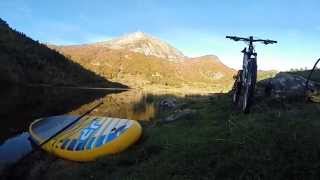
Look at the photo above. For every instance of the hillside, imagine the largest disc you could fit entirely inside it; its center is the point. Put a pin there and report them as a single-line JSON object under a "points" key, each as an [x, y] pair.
{"points": [[150, 71], [25, 61], [266, 74]]}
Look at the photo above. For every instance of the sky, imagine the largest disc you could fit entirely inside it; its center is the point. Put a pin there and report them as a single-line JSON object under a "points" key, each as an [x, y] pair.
{"points": [[195, 27]]}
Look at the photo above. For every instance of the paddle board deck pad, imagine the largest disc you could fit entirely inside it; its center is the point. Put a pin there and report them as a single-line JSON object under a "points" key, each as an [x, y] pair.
{"points": [[87, 139]]}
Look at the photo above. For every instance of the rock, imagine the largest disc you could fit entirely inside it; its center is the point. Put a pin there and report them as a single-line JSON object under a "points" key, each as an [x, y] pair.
{"points": [[286, 84], [314, 96], [179, 114], [168, 103]]}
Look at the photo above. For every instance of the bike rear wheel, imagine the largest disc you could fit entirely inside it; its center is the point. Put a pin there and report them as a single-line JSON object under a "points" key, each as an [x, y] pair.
{"points": [[237, 88]]}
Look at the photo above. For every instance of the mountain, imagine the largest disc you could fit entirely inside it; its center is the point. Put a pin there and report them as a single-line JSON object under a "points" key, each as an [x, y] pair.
{"points": [[142, 61], [25, 61], [142, 43]]}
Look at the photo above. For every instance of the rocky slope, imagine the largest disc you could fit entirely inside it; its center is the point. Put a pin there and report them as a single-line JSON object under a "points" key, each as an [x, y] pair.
{"points": [[143, 43], [143, 61]]}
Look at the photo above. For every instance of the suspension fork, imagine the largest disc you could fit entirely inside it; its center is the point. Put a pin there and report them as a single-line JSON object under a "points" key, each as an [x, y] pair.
{"points": [[245, 65], [249, 66]]}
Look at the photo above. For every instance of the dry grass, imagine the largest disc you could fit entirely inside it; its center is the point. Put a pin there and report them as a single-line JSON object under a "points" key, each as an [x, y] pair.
{"points": [[140, 71]]}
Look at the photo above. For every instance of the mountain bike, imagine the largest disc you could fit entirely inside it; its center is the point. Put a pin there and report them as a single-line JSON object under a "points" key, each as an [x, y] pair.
{"points": [[245, 80]]}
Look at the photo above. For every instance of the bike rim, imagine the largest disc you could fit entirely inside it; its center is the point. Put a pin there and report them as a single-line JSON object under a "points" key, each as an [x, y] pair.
{"points": [[245, 100], [234, 98]]}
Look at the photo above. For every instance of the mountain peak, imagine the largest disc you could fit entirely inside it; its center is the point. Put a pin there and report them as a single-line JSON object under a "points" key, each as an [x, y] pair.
{"points": [[148, 45], [138, 35], [131, 37]]}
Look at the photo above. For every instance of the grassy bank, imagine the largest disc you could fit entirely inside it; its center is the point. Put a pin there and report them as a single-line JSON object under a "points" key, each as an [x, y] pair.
{"points": [[278, 140]]}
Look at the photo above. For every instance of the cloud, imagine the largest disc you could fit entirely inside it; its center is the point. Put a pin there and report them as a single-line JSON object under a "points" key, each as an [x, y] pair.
{"points": [[59, 41], [81, 37], [91, 38], [86, 38]]}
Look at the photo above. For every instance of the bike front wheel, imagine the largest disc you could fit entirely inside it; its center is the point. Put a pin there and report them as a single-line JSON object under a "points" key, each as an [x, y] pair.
{"points": [[249, 86], [247, 98]]}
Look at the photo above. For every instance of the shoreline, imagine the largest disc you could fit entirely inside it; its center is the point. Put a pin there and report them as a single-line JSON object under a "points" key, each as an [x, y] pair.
{"points": [[78, 87], [152, 89]]}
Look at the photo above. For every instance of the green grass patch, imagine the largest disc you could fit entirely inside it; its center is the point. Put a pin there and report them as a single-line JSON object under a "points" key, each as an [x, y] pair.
{"points": [[279, 139]]}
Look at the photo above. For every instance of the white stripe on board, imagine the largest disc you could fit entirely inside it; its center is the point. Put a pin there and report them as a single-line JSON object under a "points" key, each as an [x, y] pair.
{"points": [[114, 121], [74, 147], [105, 121], [110, 127], [122, 122], [108, 131], [129, 123]]}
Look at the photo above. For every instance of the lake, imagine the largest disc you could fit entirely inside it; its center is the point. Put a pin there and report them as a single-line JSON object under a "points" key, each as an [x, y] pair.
{"points": [[22, 105]]}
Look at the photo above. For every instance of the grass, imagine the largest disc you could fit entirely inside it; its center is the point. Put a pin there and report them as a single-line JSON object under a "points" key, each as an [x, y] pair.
{"points": [[279, 139], [266, 74]]}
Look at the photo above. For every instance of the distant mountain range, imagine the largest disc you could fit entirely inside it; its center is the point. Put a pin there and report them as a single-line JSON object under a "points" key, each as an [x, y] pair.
{"points": [[142, 61], [25, 61]]}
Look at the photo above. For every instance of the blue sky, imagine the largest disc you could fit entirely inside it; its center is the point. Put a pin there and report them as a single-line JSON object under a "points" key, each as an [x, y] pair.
{"points": [[195, 27]]}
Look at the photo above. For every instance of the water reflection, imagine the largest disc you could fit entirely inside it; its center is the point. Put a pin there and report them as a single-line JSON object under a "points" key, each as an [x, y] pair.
{"points": [[20, 106], [131, 104], [14, 148]]}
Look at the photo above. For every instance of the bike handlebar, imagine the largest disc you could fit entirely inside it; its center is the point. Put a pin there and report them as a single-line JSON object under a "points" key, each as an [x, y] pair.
{"points": [[250, 39], [235, 38]]}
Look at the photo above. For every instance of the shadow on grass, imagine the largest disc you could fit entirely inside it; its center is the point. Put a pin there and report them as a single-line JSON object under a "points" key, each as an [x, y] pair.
{"points": [[279, 139]]}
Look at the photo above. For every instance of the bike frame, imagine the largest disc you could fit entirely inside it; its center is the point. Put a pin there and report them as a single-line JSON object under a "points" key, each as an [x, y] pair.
{"points": [[249, 64], [246, 78]]}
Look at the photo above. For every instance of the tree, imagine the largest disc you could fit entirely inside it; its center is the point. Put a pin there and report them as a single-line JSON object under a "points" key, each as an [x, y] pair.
{"points": [[3, 23]]}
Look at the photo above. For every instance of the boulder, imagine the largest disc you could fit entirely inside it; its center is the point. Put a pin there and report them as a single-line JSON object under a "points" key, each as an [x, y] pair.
{"points": [[168, 103], [287, 84], [179, 114]]}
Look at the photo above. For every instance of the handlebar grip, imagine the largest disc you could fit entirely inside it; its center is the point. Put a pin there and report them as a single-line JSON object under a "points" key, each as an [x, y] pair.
{"points": [[235, 38], [269, 42]]}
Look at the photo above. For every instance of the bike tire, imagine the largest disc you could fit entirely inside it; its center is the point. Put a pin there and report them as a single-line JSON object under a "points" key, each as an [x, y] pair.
{"points": [[247, 99], [249, 87], [237, 88]]}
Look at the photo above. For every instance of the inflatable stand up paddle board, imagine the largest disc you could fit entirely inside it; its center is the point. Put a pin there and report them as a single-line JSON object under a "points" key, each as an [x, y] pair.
{"points": [[87, 139]]}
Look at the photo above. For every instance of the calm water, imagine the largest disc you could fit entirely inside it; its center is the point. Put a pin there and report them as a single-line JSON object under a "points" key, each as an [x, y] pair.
{"points": [[20, 106]]}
